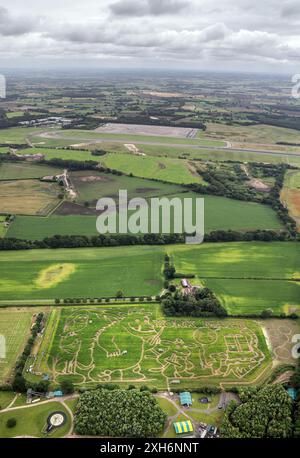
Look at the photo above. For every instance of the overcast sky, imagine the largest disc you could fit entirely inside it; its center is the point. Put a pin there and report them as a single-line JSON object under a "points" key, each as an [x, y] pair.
{"points": [[249, 35]]}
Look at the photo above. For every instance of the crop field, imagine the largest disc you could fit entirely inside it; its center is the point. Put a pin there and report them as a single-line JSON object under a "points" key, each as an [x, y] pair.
{"points": [[246, 277], [25, 170], [290, 194], [14, 328], [171, 170], [91, 186], [137, 344], [87, 272], [28, 197], [220, 213]]}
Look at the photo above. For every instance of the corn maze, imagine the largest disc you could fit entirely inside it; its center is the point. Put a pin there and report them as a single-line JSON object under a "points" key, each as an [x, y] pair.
{"points": [[137, 345]]}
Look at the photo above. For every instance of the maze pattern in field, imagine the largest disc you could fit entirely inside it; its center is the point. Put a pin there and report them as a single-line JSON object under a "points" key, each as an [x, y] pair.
{"points": [[138, 345]]}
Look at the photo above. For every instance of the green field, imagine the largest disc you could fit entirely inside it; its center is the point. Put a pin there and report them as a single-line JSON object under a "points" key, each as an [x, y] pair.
{"points": [[247, 277], [166, 169], [32, 421], [137, 344], [220, 213], [14, 327], [17, 135], [25, 170], [47, 274]]}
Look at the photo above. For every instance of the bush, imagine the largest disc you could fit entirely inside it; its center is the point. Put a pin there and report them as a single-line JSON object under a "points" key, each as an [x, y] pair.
{"points": [[11, 423]]}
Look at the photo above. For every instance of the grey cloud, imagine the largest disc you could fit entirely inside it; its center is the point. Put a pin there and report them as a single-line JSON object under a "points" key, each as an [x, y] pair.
{"points": [[14, 26], [148, 7], [290, 9]]}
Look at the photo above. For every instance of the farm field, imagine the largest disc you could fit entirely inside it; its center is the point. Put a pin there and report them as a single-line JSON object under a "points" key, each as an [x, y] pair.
{"points": [[88, 272], [254, 296], [91, 186], [25, 170], [53, 153], [290, 194], [28, 197], [15, 328], [17, 135], [137, 344], [254, 260], [171, 170], [31, 421], [220, 213], [246, 277]]}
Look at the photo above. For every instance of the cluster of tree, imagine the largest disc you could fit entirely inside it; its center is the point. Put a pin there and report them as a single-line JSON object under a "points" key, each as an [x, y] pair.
{"points": [[273, 199], [118, 413], [169, 268], [278, 120], [295, 383], [263, 413], [19, 383], [222, 182], [202, 303], [99, 152]]}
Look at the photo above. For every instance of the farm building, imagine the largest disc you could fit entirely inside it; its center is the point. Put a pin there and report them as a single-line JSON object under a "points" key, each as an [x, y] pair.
{"points": [[185, 398], [182, 427]]}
